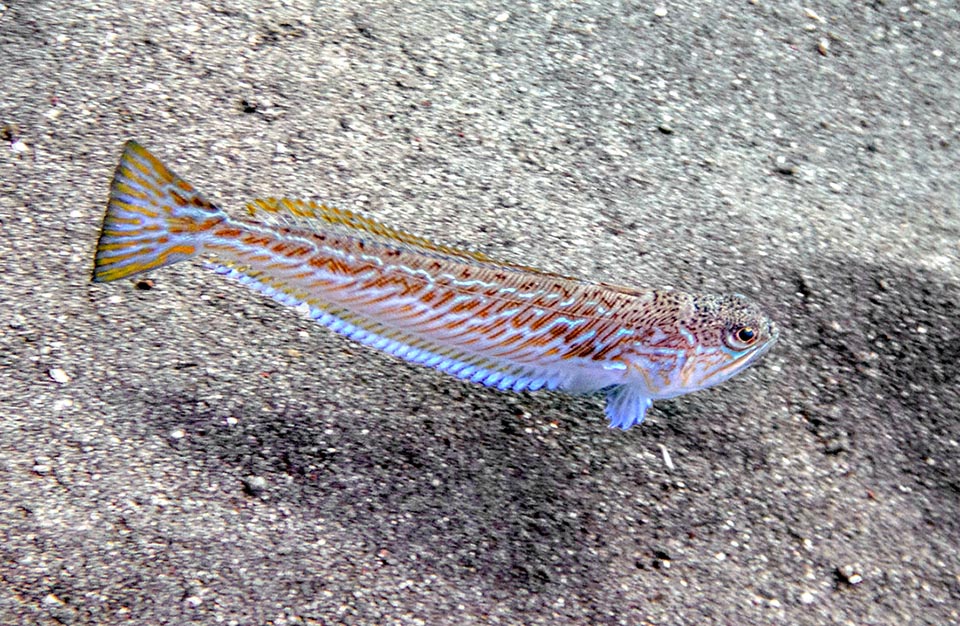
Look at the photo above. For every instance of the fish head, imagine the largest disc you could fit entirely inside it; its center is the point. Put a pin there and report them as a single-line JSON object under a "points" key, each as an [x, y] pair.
{"points": [[703, 342]]}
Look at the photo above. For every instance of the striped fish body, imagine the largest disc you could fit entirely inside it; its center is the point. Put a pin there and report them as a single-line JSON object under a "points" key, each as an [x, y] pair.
{"points": [[499, 324]]}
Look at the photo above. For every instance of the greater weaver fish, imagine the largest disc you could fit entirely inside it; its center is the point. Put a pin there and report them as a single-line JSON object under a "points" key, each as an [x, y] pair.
{"points": [[499, 324]]}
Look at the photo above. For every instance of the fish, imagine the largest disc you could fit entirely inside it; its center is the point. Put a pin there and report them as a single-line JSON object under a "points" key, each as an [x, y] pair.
{"points": [[499, 324]]}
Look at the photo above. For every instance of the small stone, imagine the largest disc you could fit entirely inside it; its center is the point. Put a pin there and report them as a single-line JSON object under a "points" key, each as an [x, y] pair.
{"points": [[785, 167], [823, 47], [807, 598], [254, 485], [60, 376], [660, 11], [179, 433], [850, 574]]}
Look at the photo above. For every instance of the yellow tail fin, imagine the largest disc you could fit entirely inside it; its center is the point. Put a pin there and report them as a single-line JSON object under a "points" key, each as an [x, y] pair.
{"points": [[154, 218]]}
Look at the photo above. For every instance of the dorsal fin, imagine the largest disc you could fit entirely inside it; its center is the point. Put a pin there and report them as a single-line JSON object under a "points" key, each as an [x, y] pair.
{"points": [[312, 216], [308, 215]]}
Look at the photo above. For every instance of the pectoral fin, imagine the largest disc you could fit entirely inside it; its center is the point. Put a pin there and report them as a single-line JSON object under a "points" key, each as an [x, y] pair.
{"points": [[626, 406]]}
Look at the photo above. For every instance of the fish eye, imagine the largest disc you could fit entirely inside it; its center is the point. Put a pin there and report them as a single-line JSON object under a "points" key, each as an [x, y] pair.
{"points": [[742, 337], [746, 334]]}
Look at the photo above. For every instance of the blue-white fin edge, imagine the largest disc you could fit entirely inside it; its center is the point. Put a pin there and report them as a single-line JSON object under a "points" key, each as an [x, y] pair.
{"points": [[515, 379]]}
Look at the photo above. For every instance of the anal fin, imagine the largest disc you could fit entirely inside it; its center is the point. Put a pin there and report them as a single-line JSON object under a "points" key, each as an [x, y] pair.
{"points": [[401, 343]]}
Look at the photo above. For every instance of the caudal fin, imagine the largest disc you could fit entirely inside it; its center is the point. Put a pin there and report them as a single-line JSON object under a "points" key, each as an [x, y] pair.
{"points": [[154, 218]]}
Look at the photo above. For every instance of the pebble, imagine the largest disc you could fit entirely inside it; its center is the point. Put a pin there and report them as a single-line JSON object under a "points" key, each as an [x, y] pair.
{"points": [[850, 574], [254, 485], [52, 599], [785, 167], [60, 376], [660, 11]]}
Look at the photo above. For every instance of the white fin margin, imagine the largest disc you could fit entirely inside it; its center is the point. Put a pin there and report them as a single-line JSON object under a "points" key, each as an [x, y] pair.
{"points": [[477, 369]]}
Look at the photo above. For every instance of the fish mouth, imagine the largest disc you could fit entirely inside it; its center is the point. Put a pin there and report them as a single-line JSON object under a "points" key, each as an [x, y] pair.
{"points": [[731, 369], [750, 359], [726, 371]]}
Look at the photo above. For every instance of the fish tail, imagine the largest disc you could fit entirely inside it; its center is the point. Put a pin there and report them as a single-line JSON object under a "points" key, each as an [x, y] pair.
{"points": [[154, 218]]}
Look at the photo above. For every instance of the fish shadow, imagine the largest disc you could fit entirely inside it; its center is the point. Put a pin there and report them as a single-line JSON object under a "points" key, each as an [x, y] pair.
{"points": [[515, 492], [877, 352]]}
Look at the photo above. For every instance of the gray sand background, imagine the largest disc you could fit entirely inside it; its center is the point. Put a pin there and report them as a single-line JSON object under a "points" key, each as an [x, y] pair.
{"points": [[194, 454]]}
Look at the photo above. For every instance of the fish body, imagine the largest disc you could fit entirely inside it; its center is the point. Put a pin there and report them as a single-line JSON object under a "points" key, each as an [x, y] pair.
{"points": [[503, 325]]}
